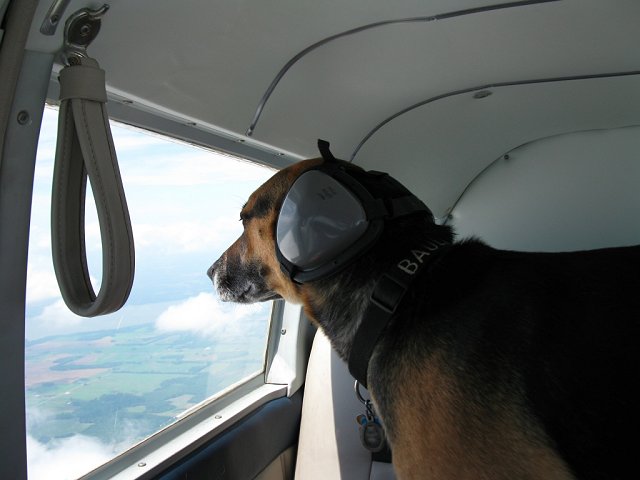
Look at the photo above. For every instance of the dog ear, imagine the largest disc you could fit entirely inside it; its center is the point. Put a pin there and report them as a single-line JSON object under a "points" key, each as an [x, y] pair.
{"points": [[323, 146]]}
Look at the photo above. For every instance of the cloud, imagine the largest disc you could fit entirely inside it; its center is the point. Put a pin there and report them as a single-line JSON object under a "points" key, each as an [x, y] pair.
{"points": [[205, 315], [159, 167], [188, 236], [129, 139], [68, 458], [41, 285], [48, 136], [148, 159], [58, 315], [74, 456]]}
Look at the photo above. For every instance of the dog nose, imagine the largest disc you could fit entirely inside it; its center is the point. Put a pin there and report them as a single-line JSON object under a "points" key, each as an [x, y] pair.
{"points": [[211, 271]]}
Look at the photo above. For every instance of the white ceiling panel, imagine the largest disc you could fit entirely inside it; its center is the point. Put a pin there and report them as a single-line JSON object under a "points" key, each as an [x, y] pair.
{"points": [[438, 149]]}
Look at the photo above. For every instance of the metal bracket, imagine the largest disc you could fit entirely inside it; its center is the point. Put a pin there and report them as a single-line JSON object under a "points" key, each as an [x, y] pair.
{"points": [[80, 30]]}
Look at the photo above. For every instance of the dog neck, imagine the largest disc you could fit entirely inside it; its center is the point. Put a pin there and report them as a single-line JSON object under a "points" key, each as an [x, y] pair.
{"points": [[338, 304], [385, 300]]}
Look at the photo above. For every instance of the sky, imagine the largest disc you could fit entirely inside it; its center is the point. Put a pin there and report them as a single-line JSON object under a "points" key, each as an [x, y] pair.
{"points": [[184, 204]]}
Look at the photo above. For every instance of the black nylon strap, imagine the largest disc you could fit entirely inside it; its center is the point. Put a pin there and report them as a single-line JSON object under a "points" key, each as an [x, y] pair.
{"points": [[385, 299]]}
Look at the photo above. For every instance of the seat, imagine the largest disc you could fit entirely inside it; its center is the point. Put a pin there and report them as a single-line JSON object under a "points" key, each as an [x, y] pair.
{"points": [[329, 445]]}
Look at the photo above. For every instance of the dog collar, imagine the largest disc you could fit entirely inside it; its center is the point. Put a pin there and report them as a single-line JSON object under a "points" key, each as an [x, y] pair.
{"points": [[384, 301]]}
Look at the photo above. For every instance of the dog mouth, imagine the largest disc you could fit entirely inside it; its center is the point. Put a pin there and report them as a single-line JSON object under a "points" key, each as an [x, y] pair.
{"points": [[247, 286], [247, 296], [252, 294]]}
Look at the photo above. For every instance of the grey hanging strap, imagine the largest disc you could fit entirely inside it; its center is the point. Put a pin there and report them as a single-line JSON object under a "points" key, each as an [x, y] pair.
{"points": [[85, 148]]}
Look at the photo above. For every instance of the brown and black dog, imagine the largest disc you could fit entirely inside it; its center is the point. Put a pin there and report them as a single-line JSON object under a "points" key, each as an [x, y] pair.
{"points": [[496, 365]]}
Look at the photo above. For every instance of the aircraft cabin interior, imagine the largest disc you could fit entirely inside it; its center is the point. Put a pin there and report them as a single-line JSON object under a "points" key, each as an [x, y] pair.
{"points": [[133, 132]]}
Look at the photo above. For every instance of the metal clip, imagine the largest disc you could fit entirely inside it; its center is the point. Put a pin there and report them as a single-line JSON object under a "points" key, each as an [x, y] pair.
{"points": [[80, 30], [356, 388]]}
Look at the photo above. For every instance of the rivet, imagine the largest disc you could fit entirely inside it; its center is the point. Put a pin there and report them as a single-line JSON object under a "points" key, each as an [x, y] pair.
{"points": [[85, 30], [482, 94], [142, 464], [283, 331], [218, 417], [24, 118], [506, 156]]}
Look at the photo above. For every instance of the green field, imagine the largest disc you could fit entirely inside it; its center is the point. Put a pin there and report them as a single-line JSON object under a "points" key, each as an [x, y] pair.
{"points": [[130, 383]]}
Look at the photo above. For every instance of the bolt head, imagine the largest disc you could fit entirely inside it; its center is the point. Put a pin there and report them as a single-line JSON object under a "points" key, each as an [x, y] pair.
{"points": [[24, 118]]}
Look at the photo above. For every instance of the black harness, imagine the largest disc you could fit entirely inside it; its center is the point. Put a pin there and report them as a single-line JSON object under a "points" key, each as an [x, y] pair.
{"points": [[384, 301]]}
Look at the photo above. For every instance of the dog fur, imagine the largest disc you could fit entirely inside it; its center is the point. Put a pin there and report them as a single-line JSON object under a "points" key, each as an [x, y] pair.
{"points": [[497, 365]]}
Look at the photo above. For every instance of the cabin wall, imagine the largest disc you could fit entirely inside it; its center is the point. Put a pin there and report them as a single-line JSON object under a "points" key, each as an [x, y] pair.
{"points": [[568, 192]]}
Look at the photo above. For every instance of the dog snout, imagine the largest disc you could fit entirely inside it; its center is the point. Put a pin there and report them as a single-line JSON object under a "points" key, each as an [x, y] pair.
{"points": [[212, 271]]}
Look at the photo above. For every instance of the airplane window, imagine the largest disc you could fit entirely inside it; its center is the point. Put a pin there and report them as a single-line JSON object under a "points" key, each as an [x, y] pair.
{"points": [[97, 386]]}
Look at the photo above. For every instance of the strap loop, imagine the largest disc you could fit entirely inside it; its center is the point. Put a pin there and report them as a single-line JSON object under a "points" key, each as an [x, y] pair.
{"points": [[84, 80], [85, 148]]}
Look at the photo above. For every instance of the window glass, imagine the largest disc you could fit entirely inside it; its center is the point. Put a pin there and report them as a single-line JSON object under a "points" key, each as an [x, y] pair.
{"points": [[95, 387]]}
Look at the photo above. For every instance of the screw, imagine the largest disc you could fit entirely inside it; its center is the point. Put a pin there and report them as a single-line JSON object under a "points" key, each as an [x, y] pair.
{"points": [[283, 331], [142, 464], [24, 118], [85, 30], [218, 417], [506, 156]]}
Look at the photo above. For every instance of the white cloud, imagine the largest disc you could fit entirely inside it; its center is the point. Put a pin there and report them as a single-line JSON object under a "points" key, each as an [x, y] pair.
{"points": [[188, 236], [186, 168], [41, 285], [68, 458], [206, 315], [128, 139], [58, 315], [48, 135]]}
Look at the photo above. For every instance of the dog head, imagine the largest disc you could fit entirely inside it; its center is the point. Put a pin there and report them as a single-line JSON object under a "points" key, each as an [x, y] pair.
{"points": [[307, 223], [249, 270]]}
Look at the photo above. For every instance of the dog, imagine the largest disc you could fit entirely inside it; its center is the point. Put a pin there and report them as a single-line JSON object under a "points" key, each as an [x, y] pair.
{"points": [[493, 364]]}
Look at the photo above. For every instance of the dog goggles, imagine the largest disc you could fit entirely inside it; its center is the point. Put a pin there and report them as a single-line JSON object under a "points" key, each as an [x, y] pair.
{"points": [[332, 214]]}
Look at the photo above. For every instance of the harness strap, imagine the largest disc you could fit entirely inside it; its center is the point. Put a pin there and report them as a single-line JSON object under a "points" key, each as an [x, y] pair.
{"points": [[384, 301], [85, 148]]}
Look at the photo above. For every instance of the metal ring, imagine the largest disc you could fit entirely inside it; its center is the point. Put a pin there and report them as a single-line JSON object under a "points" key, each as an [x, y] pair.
{"points": [[356, 387]]}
